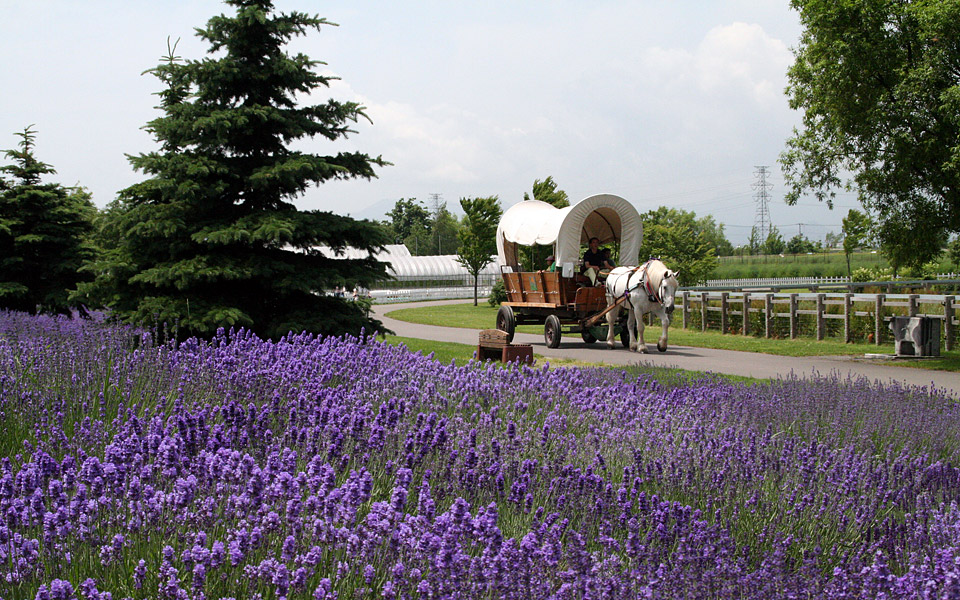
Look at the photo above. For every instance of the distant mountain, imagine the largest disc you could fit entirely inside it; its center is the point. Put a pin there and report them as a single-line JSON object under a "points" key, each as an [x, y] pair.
{"points": [[376, 211]]}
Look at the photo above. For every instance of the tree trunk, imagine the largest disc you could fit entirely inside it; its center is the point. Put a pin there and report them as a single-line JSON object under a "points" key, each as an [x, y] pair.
{"points": [[475, 279], [849, 274]]}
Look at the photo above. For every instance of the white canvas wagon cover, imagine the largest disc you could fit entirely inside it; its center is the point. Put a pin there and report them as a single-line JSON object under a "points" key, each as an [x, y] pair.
{"points": [[607, 217]]}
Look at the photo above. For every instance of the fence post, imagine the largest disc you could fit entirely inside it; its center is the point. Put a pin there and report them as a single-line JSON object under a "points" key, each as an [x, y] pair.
{"points": [[793, 316], [913, 305], [877, 330], [746, 313], [847, 316], [703, 311], [723, 312], [767, 314], [948, 332], [820, 320], [685, 307]]}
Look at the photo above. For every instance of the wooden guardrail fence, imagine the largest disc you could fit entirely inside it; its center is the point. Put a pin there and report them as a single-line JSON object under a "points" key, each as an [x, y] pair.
{"points": [[855, 310]]}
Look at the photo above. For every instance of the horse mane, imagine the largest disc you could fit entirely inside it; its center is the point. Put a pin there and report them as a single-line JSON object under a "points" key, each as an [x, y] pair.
{"points": [[656, 271]]}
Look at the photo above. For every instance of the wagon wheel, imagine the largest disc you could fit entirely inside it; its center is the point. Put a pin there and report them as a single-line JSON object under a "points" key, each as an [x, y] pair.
{"points": [[506, 322], [587, 336], [551, 331]]}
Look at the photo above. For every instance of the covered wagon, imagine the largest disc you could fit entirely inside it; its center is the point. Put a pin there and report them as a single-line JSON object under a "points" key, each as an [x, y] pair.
{"points": [[562, 300]]}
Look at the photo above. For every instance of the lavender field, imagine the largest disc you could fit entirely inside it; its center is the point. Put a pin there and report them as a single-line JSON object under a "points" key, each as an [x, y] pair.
{"points": [[348, 468]]}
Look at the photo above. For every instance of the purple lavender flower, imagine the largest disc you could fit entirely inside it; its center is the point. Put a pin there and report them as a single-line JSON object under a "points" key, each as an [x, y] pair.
{"points": [[304, 453]]}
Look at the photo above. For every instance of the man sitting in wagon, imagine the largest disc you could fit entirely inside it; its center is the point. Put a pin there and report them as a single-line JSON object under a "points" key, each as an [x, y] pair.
{"points": [[551, 265], [608, 262], [592, 261]]}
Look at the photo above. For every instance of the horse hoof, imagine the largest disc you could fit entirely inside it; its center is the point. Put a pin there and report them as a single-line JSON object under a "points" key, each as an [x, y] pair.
{"points": [[643, 350], [662, 348]]}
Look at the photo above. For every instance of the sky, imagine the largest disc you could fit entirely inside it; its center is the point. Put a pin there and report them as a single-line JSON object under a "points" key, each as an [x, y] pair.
{"points": [[663, 102]]}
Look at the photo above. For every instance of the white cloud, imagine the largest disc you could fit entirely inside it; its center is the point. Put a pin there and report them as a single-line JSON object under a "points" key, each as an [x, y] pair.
{"points": [[743, 57], [736, 60], [648, 99]]}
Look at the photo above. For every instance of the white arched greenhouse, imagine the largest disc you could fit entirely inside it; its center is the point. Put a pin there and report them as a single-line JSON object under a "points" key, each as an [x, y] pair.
{"points": [[425, 277]]}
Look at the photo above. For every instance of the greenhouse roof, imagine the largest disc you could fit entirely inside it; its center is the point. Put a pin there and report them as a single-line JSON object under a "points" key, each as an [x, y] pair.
{"points": [[403, 265]]}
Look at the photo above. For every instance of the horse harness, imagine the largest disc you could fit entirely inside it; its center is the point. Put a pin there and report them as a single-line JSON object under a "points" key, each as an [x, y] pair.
{"points": [[652, 291]]}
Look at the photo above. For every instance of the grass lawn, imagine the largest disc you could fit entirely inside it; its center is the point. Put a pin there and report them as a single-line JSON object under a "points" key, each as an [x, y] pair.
{"points": [[461, 354], [484, 317]]}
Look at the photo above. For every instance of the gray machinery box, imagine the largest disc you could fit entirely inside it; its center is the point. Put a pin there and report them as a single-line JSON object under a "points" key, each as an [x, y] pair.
{"points": [[915, 336]]}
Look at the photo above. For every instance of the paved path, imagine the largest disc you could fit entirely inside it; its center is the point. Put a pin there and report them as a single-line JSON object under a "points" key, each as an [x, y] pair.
{"points": [[731, 362]]}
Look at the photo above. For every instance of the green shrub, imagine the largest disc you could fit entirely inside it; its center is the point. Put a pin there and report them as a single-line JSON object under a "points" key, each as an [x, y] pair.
{"points": [[872, 274], [498, 294], [927, 270]]}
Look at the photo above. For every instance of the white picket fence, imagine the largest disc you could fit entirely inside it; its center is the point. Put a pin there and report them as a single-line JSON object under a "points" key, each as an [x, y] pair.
{"points": [[421, 294], [775, 281], [449, 292], [798, 281]]}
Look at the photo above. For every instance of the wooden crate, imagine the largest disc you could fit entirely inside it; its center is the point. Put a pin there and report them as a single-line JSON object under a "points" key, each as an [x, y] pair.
{"points": [[493, 337], [508, 353]]}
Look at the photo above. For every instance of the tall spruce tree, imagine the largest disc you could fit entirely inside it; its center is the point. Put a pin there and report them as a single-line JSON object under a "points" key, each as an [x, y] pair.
{"points": [[212, 239], [44, 235]]}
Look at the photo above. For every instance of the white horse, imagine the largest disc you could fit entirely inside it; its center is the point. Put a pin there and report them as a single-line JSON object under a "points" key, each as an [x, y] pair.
{"points": [[651, 287]]}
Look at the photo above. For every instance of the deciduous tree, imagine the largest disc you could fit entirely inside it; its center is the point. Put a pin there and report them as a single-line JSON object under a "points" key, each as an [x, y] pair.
{"points": [[713, 233], [901, 245], [755, 244], [478, 235], [212, 238], [953, 253], [858, 229], [774, 243], [547, 191], [672, 235], [531, 257], [832, 239], [878, 82], [799, 244], [444, 230], [406, 217]]}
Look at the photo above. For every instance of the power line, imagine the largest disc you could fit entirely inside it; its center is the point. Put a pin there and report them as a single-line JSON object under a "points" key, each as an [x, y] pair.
{"points": [[787, 225]]}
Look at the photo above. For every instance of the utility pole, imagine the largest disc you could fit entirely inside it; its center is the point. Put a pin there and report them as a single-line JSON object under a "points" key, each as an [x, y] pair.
{"points": [[762, 196], [436, 211]]}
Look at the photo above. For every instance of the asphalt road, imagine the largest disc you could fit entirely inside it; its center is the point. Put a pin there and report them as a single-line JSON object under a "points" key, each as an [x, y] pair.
{"points": [[731, 362]]}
